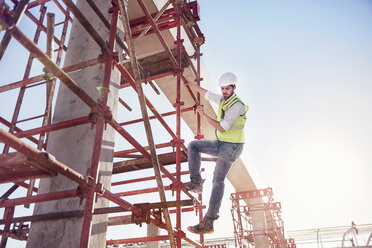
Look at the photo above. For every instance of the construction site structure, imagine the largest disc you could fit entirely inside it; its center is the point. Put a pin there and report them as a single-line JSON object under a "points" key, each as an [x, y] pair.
{"points": [[72, 142], [355, 235], [258, 201]]}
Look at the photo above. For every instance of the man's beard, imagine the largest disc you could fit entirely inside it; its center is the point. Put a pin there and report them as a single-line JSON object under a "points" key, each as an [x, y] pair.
{"points": [[227, 96]]}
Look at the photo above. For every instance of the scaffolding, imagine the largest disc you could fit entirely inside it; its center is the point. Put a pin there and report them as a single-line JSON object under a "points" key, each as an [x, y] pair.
{"points": [[246, 203], [24, 159]]}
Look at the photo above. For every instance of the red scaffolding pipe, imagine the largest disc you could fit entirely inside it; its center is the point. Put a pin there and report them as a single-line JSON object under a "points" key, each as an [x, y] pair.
{"points": [[129, 151], [40, 198], [39, 78], [154, 117], [97, 146], [53, 127]]}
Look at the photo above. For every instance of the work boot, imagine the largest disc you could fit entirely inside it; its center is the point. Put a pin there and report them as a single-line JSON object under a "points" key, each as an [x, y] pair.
{"points": [[195, 187], [204, 227]]}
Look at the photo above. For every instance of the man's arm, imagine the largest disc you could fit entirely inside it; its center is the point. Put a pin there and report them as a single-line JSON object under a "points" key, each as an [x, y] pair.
{"points": [[196, 87], [210, 120]]}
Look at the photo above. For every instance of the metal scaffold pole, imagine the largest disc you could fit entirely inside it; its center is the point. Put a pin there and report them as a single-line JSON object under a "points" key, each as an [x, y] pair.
{"points": [[145, 117]]}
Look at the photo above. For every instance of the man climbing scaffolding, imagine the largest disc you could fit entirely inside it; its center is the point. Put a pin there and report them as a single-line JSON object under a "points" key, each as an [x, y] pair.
{"points": [[227, 148]]}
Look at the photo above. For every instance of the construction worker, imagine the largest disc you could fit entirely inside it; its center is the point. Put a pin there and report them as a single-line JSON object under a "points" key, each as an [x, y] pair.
{"points": [[227, 148]]}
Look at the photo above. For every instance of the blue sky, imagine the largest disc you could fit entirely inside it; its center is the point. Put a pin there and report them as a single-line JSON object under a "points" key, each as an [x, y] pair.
{"points": [[305, 71]]}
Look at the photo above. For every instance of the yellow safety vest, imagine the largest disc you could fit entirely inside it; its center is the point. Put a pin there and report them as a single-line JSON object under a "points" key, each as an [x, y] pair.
{"points": [[236, 133]]}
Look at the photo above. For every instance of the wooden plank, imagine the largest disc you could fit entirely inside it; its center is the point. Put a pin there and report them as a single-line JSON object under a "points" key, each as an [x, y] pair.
{"points": [[144, 163]]}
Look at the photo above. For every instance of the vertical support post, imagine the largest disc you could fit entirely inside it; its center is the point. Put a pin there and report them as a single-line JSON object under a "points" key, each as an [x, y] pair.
{"points": [[8, 216], [50, 86], [145, 116], [93, 176], [200, 198], [50, 83], [198, 80], [240, 223], [198, 132], [178, 122], [58, 62]]}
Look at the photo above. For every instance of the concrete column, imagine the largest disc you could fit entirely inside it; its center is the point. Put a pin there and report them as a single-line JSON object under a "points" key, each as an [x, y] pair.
{"points": [[258, 223], [153, 230], [74, 146]]}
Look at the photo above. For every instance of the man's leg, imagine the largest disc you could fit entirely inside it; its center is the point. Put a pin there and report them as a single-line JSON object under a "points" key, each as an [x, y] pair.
{"points": [[194, 149], [227, 154], [220, 172]]}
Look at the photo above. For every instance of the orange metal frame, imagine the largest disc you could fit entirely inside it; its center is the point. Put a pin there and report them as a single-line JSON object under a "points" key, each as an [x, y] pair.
{"points": [[244, 231]]}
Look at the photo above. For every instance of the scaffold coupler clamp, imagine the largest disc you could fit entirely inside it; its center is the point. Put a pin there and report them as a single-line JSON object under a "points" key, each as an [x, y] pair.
{"points": [[100, 189], [144, 216], [197, 206], [82, 194], [180, 233], [174, 142], [101, 59], [20, 231], [195, 107], [5, 18], [180, 103], [199, 41], [195, 55], [176, 71], [176, 186], [115, 58], [92, 119], [198, 80], [157, 214], [47, 74]]}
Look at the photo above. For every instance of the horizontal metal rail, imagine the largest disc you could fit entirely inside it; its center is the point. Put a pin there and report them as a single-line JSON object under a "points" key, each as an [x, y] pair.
{"points": [[154, 117], [53, 127], [38, 78], [40, 198]]}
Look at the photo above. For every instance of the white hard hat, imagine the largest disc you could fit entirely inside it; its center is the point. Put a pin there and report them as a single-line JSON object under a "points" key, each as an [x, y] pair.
{"points": [[228, 78]]}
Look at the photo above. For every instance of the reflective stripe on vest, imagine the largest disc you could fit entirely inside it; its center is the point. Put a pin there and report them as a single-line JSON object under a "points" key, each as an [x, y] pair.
{"points": [[236, 133]]}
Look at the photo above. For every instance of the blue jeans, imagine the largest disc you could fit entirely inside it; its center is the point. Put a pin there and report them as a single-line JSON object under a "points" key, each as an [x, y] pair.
{"points": [[226, 154]]}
